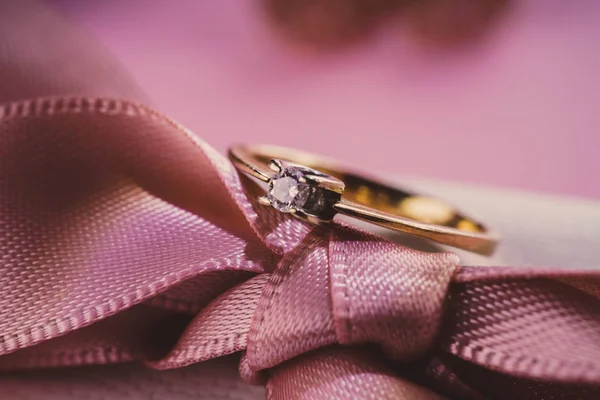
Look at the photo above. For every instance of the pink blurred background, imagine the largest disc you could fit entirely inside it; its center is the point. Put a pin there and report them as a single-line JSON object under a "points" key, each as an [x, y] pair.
{"points": [[521, 108]]}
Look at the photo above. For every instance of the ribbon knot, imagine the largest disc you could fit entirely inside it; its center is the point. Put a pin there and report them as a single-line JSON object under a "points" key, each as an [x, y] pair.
{"points": [[345, 286]]}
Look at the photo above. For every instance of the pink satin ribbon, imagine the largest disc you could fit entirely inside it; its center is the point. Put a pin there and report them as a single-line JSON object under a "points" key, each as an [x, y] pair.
{"points": [[126, 238]]}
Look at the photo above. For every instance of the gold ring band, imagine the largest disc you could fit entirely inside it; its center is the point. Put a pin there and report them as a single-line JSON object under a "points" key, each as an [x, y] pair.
{"points": [[316, 188]]}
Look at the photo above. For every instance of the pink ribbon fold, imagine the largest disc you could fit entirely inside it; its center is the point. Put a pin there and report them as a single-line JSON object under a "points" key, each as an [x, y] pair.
{"points": [[123, 237]]}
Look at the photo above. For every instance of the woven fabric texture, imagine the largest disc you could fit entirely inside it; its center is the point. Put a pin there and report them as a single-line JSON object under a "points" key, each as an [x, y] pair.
{"points": [[125, 238]]}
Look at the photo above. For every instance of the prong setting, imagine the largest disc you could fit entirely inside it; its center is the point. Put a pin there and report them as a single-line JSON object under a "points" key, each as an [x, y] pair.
{"points": [[276, 165], [302, 191], [264, 200], [327, 182]]}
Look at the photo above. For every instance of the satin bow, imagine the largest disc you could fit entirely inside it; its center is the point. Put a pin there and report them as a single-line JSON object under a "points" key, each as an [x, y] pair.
{"points": [[124, 237]]}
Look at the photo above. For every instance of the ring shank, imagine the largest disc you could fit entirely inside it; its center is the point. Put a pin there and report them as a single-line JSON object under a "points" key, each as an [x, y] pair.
{"points": [[372, 200]]}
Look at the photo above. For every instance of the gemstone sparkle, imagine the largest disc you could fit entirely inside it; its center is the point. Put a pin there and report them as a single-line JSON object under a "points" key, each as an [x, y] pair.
{"points": [[286, 191]]}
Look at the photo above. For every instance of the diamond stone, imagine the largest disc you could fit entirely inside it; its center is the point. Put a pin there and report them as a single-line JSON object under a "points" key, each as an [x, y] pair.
{"points": [[286, 192]]}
